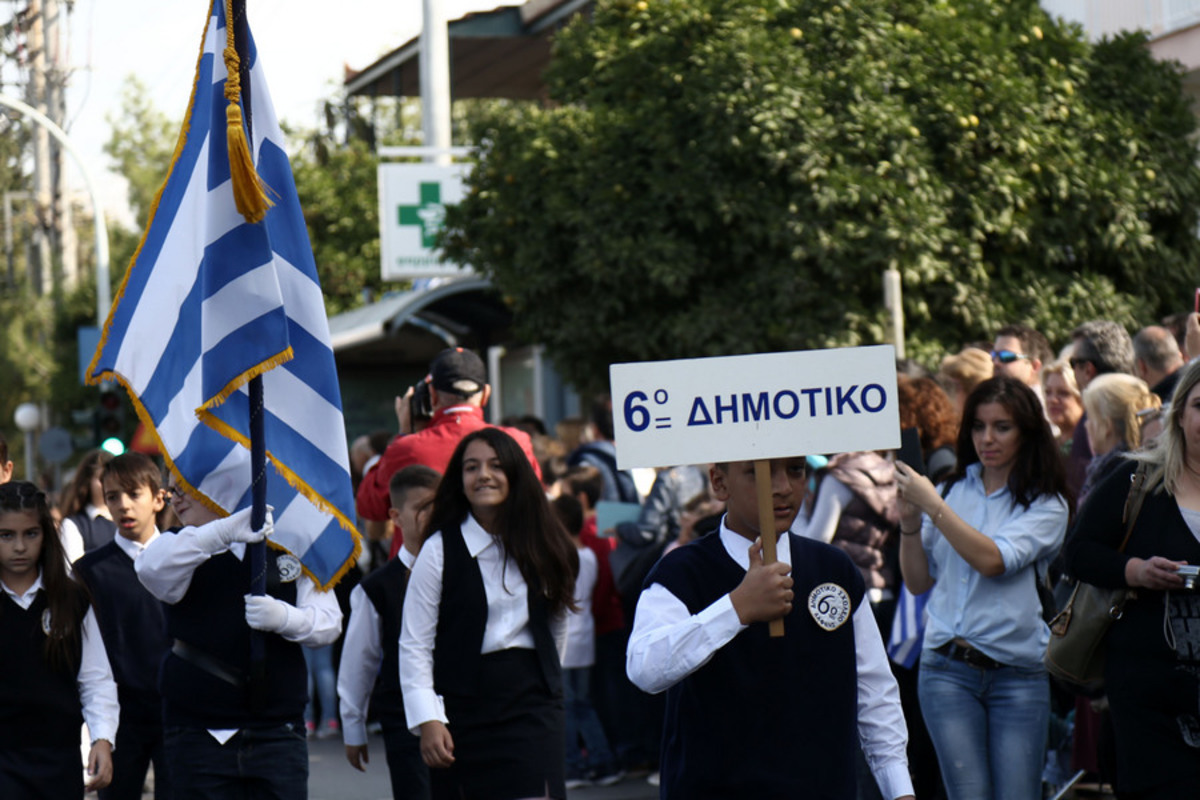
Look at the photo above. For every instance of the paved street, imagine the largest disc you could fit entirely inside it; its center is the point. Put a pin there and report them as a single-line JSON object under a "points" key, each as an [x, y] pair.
{"points": [[332, 778]]}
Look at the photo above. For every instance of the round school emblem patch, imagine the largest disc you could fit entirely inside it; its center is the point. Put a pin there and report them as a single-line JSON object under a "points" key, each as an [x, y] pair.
{"points": [[829, 605], [46, 622], [289, 567]]}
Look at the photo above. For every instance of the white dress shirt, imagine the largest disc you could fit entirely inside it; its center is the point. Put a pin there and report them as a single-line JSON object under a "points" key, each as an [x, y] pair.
{"points": [[134, 549], [362, 653], [166, 565], [668, 643], [507, 621], [581, 625], [97, 689]]}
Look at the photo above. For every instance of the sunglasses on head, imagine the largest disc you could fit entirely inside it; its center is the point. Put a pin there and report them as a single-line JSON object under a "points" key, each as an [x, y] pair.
{"points": [[1075, 362], [1007, 356]]}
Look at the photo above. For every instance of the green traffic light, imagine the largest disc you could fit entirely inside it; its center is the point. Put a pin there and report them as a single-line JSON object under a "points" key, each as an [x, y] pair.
{"points": [[113, 445]]}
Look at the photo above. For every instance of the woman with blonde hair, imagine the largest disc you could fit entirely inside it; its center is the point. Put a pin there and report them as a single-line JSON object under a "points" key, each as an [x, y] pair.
{"points": [[1152, 663], [1064, 403], [1113, 402], [962, 372]]}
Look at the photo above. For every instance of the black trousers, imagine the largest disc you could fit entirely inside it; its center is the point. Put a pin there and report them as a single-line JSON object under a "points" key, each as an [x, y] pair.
{"points": [[410, 776]]}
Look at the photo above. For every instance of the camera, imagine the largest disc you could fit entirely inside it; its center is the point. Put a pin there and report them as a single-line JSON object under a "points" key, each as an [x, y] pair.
{"points": [[1189, 573], [421, 405]]}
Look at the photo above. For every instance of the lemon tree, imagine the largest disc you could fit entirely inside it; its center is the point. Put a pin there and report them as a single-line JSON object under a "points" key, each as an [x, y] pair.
{"points": [[728, 176]]}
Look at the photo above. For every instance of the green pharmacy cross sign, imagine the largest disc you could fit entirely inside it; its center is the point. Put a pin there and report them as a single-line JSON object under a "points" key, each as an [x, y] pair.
{"points": [[429, 213], [413, 199]]}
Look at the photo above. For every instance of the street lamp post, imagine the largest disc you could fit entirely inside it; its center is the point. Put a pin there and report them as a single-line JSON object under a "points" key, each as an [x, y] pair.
{"points": [[27, 418], [103, 293]]}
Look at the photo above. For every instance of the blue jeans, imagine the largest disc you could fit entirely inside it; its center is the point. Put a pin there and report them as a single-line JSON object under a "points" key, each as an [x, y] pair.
{"points": [[259, 763], [988, 727], [582, 721], [319, 661]]}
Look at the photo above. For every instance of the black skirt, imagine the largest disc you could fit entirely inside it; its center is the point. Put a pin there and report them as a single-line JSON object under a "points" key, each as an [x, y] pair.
{"points": [[41, 773], [509, 739]]}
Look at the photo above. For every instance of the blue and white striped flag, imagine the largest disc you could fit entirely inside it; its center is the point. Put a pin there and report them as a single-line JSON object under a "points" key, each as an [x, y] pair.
{"points": [[210, 301], [908, 628]]}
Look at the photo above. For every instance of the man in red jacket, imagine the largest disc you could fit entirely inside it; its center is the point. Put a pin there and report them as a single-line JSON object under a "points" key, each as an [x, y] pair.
{"points": [[458, 391]]}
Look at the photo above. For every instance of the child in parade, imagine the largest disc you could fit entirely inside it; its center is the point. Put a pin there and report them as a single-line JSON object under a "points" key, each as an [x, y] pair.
{"points": [[373, 639], [56, 672], [733, 692], [598, 767], [131, 622], [86, 523], [226, 732], [484, 627]]}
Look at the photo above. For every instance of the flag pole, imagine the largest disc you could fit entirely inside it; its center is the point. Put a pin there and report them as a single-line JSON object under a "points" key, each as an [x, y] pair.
{"points": [[258, 487], [257, 551], [240, 72]]}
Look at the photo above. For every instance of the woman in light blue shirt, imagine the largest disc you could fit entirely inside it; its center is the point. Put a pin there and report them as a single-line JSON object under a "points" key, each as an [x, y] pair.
{"points": [[981, 544]]}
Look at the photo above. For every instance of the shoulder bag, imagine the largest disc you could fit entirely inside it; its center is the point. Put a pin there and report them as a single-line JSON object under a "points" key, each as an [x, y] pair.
{"points": [[1075, 655]]}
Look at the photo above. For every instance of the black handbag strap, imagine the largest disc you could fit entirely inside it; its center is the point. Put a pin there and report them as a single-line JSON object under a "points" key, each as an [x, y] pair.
{"points": [[1133, 502]]}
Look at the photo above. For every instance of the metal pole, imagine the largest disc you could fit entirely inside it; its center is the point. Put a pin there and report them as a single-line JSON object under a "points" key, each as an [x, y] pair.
{"points": [[103, 292], [892, 302], [29, 476], [435, 79]]}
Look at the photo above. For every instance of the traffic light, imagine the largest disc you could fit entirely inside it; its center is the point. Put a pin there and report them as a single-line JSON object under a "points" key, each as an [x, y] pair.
{"points": [[110, 421]]}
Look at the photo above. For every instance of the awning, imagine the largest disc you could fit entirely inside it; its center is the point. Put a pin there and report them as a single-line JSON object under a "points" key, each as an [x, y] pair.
{"points": [[415, 325], [497, 53]]}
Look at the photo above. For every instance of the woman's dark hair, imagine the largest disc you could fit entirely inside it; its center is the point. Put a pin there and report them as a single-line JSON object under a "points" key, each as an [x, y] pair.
{"points": [[1039, 468], [65, 598], [78, 493], [526, 526]]}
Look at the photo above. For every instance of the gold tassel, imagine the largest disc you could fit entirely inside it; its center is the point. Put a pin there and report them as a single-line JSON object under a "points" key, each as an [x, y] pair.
{"points": [[249, 190]]}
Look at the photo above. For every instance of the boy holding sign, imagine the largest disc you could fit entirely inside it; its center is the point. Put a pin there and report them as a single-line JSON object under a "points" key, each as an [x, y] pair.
{"points": [[736, 694]]}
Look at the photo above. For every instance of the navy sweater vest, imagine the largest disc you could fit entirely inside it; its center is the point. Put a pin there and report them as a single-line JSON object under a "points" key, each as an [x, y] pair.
{"points": [[764, 718], [385, 588], [462, 619], [212, 618], [134, 629], [39, 706], [95, 531]]}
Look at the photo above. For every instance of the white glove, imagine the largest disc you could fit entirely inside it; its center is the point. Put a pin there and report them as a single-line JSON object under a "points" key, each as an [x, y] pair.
{"points": [[266, 613], [216, 536]]}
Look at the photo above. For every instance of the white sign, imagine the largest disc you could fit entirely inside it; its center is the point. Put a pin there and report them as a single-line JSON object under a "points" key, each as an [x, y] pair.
{"points": [[412, 210], [744, 408]]}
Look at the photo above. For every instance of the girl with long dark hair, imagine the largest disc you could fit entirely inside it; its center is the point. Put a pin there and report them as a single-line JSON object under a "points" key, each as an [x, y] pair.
{"points": [[56, 672], [87, 524], [484, 628], [981, 544]]}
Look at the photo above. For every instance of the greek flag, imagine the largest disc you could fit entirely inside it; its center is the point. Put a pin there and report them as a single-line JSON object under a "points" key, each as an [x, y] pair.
{"points": [[908, 628], [210, 301]]}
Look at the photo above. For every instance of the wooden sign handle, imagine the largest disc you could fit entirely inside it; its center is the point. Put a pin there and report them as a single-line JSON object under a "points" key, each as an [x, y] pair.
{"points": [[766, 525]]}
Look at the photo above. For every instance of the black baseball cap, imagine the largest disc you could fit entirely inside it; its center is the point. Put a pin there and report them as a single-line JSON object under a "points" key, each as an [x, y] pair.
{"points": [[458, 371]]}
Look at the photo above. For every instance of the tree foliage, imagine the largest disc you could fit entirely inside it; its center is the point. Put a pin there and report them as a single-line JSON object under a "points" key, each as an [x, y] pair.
{"points": [[141, 146], [730, 176], [336, 185]]}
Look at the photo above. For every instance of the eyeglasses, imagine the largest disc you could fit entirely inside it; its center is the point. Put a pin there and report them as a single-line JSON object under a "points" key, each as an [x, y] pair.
{"points": [[1007, 356], [1075, 362], [176, 493]]}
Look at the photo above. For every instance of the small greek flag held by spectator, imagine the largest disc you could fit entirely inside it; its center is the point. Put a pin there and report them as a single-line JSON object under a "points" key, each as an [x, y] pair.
{"points": [[223, 288], [908, 628]]}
